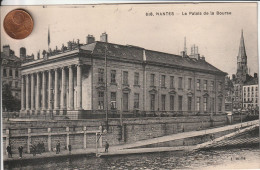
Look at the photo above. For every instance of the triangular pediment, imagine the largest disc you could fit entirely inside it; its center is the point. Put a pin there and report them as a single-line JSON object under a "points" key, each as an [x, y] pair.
{"points": [[153, 91], [172, 92], [220, 95], [101, 88], [205, 95]]}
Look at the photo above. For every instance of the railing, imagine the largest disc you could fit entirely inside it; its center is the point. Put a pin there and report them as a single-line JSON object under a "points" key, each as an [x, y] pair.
{"points": [[100, 114]]}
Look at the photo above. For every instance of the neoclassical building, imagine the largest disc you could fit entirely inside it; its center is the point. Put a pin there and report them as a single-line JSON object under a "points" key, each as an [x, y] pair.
{"points": [[87, 79]]}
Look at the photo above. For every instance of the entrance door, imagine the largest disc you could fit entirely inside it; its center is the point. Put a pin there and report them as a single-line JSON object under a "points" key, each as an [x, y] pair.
{"points": [[125, 101]]}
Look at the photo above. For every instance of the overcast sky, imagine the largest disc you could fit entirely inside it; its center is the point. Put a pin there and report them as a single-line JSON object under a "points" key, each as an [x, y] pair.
{"points": [[217, 36]]}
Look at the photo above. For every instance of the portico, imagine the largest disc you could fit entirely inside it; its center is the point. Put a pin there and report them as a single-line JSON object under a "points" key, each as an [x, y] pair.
{"points": [[52, 88]]}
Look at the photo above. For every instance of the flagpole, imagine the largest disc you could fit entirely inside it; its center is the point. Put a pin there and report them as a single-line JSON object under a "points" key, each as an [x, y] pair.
{"points": [[49, 40]]}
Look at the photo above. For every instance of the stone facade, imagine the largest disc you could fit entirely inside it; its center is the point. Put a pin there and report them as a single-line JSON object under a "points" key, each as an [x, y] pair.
{"points": [[11, 71], [250, 97], [100, 76]]}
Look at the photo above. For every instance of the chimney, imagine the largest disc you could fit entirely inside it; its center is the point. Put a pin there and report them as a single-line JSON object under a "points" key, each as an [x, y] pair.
{"points": [[202, 58], [103, 37], [70, 45], [144, 55], [255, 75], [90, 39], [183, 54], [6, 50], [22, 53]]}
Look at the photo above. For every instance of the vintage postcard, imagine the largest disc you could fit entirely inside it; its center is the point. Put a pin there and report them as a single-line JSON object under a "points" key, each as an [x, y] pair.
{"points": [[130, 86]]}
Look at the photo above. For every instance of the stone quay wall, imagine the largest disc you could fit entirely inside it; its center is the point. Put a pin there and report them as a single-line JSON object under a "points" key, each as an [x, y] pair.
{"points": [[85, 133]]}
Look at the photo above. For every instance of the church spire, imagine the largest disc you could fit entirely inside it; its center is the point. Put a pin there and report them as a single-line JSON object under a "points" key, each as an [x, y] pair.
{"points": [[242, 69], [242, 49]]}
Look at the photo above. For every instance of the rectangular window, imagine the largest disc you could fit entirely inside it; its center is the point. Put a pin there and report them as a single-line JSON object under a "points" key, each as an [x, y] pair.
{"points": [[152, 79], [10, 73], [219, 104], [212, 85], [113, 100], [189, 103], [16, 84], [4, 72], [125, 77], [171, 102], [180, 103], [163, 81], [205, 85], [198, 84], [16, 73], [10, 83], [189, 83], [220, 86], [163, 102], [205, 104], [101, 75], [136, 101], [198, 104], [113, 76], [16, 95], [152, 102], [136, 78], [101, 100], [125, 101], [180, 83], [172, 82]]}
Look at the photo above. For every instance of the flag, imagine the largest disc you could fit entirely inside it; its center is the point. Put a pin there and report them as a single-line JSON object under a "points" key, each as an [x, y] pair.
{"points": [[49, 39]]}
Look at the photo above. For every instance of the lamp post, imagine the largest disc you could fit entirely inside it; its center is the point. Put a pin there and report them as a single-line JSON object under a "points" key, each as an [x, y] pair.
{"points": [[51, 102], [106, 87]]}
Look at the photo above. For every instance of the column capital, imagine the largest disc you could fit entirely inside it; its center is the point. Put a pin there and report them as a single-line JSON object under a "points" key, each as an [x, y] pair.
{"points": [[79, 64], [26, 75], [63, 67], [70, 66], [55, 69]]}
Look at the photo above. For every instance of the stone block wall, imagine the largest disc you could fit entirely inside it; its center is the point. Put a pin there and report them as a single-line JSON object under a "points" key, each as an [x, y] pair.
{"points": [[82, 133]]}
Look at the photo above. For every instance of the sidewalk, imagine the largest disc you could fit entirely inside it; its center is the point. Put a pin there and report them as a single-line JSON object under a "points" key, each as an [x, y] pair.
{"points": [[63, 153]]}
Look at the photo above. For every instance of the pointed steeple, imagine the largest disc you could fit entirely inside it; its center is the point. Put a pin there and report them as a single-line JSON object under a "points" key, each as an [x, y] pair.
{"points": [[242, 49], [242, 69]]}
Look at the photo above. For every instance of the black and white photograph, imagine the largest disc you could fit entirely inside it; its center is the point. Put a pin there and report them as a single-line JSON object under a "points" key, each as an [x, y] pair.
{"points": [[130, 86]]}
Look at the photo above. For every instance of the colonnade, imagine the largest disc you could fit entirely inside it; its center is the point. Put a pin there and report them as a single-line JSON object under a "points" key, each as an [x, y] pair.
{"points": [[52, 89]]}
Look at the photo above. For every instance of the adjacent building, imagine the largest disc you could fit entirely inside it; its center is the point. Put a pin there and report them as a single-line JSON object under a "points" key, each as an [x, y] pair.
{"points": [[91, 78], [241, 75], [11, 71], [250, 94]]}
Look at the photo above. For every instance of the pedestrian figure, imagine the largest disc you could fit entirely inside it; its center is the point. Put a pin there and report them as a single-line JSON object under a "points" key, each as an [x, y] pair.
{"points": [[20, 149], [58, 147], [69, 149], [9, 151], [39, 148], [33, 150], [106, 147], [43, 148]]}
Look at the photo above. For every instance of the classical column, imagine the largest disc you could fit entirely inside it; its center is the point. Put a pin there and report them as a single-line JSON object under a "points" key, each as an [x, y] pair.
{"points": [[27, 92], [63, 88], [22, 94], [43, 91], [32, 92], [50, 90], [71, 91], [79, 85], [37, 91], [56, 102]]}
